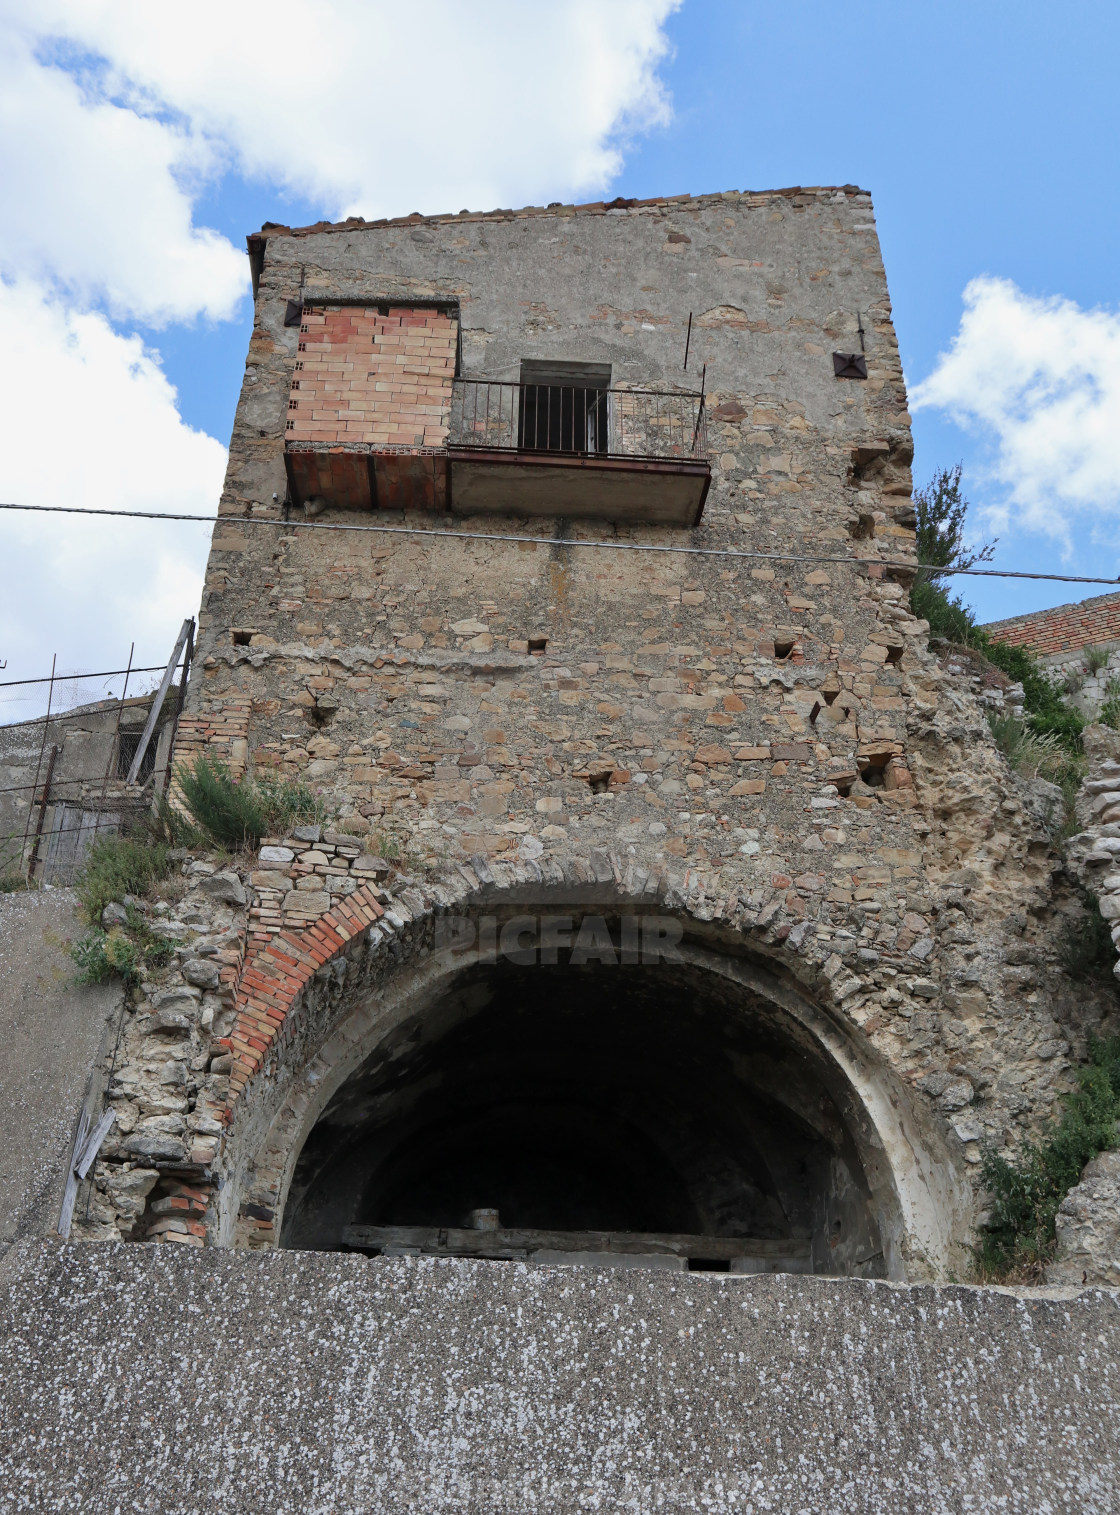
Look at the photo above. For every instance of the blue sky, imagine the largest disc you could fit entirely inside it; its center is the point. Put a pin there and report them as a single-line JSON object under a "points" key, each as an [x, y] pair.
{"points": [[986, 133]]}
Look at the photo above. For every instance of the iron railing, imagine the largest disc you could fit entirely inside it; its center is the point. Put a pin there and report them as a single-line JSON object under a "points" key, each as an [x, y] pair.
{"points": [[577, 420]]}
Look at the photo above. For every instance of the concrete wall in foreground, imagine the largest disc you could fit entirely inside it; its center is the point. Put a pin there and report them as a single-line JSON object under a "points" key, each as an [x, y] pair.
{"points": [[161, 1379], [51, 1032]]}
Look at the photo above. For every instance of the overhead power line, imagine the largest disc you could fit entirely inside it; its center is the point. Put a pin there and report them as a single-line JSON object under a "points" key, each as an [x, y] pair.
{"points": [[494, 536], [72, 678]]}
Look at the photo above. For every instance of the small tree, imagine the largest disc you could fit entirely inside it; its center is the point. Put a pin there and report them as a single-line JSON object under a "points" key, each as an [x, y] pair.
{"points": [[941, 510]]}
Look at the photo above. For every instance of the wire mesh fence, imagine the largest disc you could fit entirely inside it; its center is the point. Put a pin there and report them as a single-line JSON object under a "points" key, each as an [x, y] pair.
{"points": [[68, 742]]}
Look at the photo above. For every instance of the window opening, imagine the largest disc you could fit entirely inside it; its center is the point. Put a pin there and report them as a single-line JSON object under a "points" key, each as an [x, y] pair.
{"points": [[127, 743], [564, 407]]}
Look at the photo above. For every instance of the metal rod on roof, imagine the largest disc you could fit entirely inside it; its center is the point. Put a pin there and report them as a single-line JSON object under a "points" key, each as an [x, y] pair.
{"points": [[55, 750], [39, 764], [114, 745]]}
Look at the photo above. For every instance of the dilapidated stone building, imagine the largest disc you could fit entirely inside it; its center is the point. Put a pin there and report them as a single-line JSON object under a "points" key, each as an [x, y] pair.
{"points": [[670, 886], [64, 782], [671, 907]]}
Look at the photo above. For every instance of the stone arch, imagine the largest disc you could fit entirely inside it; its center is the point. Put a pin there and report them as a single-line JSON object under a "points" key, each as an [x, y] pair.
{"points": [[316, 1005]]}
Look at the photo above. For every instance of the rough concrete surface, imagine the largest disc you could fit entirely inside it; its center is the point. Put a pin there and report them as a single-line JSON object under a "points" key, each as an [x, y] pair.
{"points": [[164, 1379], [51, 1032]]}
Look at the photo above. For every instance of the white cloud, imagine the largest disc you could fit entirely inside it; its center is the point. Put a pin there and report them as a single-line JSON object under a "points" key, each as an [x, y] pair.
{"points": [[1041, 378], [117, 115], [370, 107], [98, 198], [91, 420]]}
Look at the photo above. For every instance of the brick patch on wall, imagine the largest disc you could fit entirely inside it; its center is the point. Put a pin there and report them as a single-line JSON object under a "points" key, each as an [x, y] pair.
{"points": [[1065, 629], [369, 406]]}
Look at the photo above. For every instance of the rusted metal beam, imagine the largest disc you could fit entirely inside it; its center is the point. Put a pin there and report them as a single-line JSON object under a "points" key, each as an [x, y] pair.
{"points": [[55, 750]]}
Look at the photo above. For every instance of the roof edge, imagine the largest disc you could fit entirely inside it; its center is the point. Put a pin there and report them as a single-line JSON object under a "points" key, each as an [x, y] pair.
{"points": [[591, 208]]}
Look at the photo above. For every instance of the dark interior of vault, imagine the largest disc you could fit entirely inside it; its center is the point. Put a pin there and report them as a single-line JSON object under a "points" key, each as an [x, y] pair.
{"points": [[623, 1099]]}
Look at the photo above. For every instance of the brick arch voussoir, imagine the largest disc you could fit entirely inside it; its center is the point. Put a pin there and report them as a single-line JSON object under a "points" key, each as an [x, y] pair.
{"points": [[275, 975]]}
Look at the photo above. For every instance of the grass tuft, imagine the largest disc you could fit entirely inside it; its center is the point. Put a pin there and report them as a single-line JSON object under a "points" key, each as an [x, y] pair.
{"points": [[1096, 658]]}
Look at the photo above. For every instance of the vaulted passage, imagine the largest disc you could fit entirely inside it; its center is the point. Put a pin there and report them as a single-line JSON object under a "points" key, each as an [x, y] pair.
{"points": [[660, 1099]]}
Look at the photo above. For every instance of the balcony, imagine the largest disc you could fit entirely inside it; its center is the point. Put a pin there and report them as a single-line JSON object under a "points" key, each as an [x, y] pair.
{"points": [[629, 455], [378, 420]]}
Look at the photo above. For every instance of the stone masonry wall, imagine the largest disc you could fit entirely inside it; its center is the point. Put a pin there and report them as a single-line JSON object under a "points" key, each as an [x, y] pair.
{"points": [[767, 745]]}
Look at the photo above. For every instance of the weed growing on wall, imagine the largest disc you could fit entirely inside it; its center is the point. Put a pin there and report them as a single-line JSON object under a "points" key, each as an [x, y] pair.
{"points": [[102, 956], [1109, 713], [1095, 659], [119, 865], [1018, 1239], [238, 814], [1039, 754]]}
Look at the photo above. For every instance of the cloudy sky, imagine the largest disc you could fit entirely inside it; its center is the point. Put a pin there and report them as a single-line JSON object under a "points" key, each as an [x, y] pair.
{"points": [[139, 143]]}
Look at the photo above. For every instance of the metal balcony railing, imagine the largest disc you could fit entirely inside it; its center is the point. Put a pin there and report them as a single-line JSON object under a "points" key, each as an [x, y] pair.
{"points": [[491, 414]]}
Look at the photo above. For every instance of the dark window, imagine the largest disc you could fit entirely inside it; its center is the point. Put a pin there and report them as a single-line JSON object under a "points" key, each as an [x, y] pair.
{"points": [[564, 407], [126, 750]]}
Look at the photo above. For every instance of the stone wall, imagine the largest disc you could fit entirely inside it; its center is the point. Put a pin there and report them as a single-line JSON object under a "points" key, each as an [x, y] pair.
{"points": [[58, 1038], [764, 747]]}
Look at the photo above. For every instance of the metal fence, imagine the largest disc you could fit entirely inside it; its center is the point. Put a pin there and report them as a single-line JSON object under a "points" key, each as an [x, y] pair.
{"points": [[616, 423], [64, 770]]}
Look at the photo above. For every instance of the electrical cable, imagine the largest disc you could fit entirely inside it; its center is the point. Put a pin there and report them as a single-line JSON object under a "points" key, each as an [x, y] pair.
{"points": [[72, 678], [494, 536]]}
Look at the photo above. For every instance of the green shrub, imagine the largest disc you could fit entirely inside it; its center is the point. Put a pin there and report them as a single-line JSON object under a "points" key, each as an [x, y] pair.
{"points": [[12, 882], [91, 958], [122, 953], [171, 827], [116, 866], [100, 957], [1046, 710], [156, 950], [1030, 753], [229, 813], [1035, 754], [1109, 713], [1019, 1238], [948, 617], [286, 803], [239, 814], [1087, 952], [941, 509]]}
